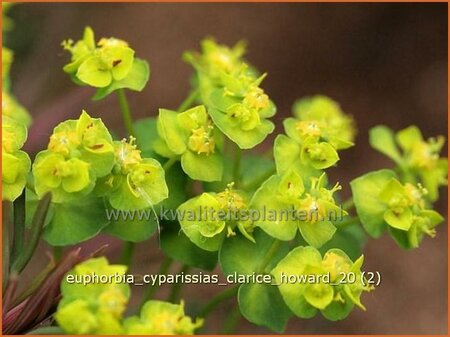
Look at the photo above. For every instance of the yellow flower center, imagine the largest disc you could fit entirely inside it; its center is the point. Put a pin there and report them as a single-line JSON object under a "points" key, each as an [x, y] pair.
{"points": [[127, 154], [63, 142], [202, 140], [256, 99], [309, 128]]}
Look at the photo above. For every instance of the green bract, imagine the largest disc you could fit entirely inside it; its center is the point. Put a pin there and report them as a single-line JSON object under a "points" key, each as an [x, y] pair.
{"points": [[15, 163], [95, 306], [381, 200], [161, 318], [7, 59], [13, 109], [110, 64], [287, 206], [230, 90], [79, 152], [135, 182], [207, 219], [191, 136], [314, 137], [419, 160], [309, 283]]}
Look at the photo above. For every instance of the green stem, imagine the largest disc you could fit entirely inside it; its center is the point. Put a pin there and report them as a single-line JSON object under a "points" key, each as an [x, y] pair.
{"points": [[165, 265], [176, 287], [169, 163], [189, 101], [259, 180], [5, 249], [237, 166], [19, 225], [269, 255], [47, 330], [127, 253], [232, 321], [57, 253], [35, 232], [126, 113], [216, 300]]}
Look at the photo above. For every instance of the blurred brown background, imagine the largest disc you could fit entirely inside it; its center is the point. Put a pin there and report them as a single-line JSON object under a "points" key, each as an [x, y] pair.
{"points": [[385, 63]]}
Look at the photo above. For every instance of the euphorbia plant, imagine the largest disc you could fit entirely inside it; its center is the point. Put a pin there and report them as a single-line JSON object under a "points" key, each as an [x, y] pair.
{"points": [[275, 214]]}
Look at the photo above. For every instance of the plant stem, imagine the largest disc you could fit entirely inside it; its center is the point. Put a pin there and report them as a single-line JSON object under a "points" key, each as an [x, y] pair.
{"points": [[165, 265], [126, 113], [187, 103], [57, 253], [36, 228], [169, 163], [232, 321], [176, 287], [5, 249], [216, 300], [127, 253], [19, 225], [237, 166], [269, 255]]}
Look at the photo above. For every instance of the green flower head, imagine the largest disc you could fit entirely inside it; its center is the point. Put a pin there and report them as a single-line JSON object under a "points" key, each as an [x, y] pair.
{"points": [[418, 159], [15, 163], [216, 59], [314, 137], [381, 200], [79, 152], [161, 318], [12, 109], [191, 136], [290, 206], [207, 219], [332, 284], [94, 307], [100, 64], [135, 182]]}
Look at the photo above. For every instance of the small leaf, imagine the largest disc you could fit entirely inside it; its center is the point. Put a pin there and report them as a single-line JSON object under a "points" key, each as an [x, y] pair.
{"points": [[366, 190], [262, 304], [238, 255], [317, 234], [381, 138], [201, 166], [75, 222]]}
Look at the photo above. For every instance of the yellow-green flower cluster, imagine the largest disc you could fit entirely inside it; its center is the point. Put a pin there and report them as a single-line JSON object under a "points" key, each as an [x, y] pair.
{"points": [[335, 283], [134, 182], [79, 152], [313, 138], [98, 64], [15, 120], [231, 91], [94, 298], [210, 217]]}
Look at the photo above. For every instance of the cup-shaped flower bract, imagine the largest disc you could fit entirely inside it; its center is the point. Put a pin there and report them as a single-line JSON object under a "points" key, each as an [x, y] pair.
{"points": [[419, 160], [313, 138], [15, 163], [231, 91], [288, 206], [383, 202], [109, 64], [94, 298], [210, 217], [161, 318], [135, 182], [309, 283], [79, 152], [191, 136]]}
